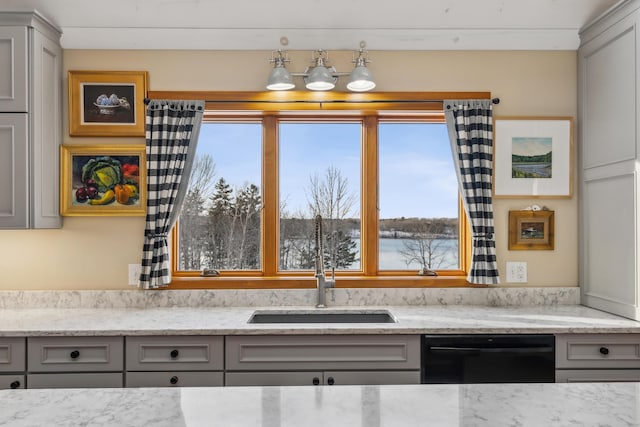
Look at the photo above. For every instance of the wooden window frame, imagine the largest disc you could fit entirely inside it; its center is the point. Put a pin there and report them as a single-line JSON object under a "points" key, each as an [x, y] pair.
{"points": [[371, 109]]}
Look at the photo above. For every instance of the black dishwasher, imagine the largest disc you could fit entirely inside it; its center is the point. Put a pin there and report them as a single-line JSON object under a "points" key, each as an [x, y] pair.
{"points": [[461, 359]]}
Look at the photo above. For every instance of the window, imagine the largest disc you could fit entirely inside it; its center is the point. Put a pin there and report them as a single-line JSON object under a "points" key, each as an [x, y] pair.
{"points": [[384, 184]]}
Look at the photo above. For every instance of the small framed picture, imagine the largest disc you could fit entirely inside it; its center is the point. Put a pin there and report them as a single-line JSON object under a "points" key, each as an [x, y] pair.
{"points": [[531, 230], [533, 157], [103, 180], [107, 103]]}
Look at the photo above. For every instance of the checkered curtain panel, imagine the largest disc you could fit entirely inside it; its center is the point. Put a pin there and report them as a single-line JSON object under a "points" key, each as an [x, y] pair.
{"points": [[470, 127], [172, 129]]}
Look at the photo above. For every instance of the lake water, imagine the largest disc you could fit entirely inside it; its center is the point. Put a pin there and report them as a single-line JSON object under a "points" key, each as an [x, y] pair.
{"points": [[539, 170]]}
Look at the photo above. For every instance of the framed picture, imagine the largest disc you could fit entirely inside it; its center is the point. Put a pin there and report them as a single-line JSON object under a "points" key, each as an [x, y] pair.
{"points": [[107, 103], [531, 230], [100, 180], [533, 157]]}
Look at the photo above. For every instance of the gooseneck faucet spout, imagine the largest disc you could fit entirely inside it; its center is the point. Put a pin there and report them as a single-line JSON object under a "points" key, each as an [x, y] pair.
{"points": [[322, 282]]}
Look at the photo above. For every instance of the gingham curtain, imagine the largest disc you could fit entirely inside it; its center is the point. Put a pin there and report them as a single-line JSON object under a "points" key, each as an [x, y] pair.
{"points": [[172, 129], [470, 127]]}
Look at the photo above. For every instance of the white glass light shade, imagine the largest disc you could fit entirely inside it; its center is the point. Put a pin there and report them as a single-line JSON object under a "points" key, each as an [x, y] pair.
{"points": [[360, 79], [320, 78], [280, 79]]}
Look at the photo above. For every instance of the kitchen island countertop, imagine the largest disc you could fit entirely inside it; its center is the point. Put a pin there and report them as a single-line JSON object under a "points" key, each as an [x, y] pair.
{"points": [[468, 405]]}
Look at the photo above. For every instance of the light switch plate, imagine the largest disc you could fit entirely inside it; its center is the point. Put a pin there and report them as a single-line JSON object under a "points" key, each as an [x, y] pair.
{"points": [[134, 273], [516, 272]]}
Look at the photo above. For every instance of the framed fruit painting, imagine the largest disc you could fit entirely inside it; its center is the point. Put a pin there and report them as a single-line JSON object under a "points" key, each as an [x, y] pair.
{"points": [[103, 180]]}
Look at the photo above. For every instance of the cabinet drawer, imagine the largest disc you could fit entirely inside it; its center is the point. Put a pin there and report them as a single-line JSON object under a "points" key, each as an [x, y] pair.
{"points": [[292, 378], [86, 380], [322, 352], [12, 354], [175, 379], [9, 381], [597, 351], [597, 375], [371, 377], [74, 354], [188, 353]]}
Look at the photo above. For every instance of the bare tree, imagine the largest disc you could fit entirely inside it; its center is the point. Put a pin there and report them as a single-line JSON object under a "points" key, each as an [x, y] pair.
{"points": [[330, 197], [193, 224], [427, 247]]}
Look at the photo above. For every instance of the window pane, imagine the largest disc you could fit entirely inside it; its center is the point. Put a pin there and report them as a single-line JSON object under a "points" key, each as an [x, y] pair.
{"points": [[320, 174], [418, 198], [220, 219]]}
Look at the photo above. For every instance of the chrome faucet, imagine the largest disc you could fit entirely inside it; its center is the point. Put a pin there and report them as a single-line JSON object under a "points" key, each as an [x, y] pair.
{"points": [[322, 282]]}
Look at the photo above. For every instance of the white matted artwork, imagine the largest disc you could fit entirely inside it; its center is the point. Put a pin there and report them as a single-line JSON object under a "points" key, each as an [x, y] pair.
{"points": [[533, 157]]}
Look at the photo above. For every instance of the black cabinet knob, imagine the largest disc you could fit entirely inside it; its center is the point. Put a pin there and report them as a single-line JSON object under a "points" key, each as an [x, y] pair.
{"points": [[174, 354], [331, 381], [316, 380], [174, 380], [15, 384], [74, 354], [604, 350]]}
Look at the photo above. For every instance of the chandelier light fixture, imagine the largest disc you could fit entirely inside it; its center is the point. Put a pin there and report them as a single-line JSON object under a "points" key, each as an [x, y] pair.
{"points": [[320, 76]]}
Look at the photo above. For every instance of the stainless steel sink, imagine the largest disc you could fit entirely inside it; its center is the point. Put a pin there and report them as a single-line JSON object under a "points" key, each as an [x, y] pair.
{"points": [[321, 316]]}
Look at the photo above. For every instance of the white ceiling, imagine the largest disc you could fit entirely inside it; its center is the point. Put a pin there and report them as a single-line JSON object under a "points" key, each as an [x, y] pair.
{"points": [[313, 24]]}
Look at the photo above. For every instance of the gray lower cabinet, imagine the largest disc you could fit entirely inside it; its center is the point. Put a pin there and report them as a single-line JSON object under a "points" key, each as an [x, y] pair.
{"points": [[12, 362], [597, 357], [59, 362], [12, 381], [179, 361], [323, 359]]}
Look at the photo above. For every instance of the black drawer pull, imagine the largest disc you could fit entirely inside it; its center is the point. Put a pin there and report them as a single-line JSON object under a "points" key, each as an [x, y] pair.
{"points": [[604, 350], [74, 354], [174, 380], [316, 380], [15, 384], [331, 381], [174, 354]]}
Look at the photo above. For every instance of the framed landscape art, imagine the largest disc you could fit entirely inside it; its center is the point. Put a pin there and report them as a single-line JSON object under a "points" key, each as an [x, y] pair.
{"points": [[107, 103], [533, 157], [531, 230]]}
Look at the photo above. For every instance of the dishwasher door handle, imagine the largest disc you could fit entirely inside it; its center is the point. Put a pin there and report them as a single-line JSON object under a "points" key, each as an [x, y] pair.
{"points": [[443, 349]]}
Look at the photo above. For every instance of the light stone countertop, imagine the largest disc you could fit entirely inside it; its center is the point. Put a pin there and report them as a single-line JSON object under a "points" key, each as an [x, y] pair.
{"points": [[233, 321], [468, 405]]}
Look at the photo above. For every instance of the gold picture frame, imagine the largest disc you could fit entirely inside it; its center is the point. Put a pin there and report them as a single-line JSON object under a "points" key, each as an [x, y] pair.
{"points": [[107, 103], [533, 157], [531, 230], [103, 180]]}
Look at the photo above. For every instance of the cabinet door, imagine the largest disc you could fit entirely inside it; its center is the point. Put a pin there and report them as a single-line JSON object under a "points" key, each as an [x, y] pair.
{"points": [[371, 377], [273, 378], [84, 380], [13, 69], [597, 375], [46, 132], [11, 381], [174, 379], [608, 93], [14, 171]]}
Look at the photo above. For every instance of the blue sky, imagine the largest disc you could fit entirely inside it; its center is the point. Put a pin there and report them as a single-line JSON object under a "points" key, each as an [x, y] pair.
{"points": [[417, 178]]}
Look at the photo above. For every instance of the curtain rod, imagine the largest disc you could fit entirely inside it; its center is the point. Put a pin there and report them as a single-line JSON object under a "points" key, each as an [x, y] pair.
{"points": [[330, 101]]}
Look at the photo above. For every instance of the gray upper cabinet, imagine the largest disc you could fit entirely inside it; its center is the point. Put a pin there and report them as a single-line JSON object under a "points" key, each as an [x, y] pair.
{"points": [[30, 121], [608, 92]]}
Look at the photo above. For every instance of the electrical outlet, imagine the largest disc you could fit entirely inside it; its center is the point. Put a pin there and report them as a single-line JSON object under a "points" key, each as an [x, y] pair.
{"points": [[134, 273], [517, 272]]}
